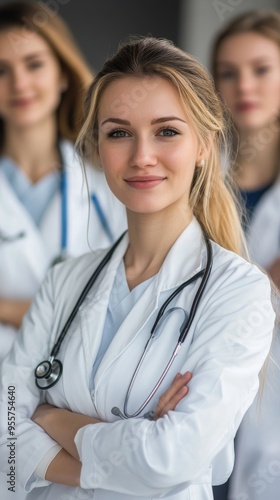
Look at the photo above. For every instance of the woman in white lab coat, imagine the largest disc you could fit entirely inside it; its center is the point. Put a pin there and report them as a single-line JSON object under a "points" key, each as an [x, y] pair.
{"points": [[246, 68], [246, 65], [44, 203], [157, 126]]}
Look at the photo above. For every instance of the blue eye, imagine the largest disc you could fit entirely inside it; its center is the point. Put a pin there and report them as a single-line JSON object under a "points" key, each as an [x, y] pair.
{"points": [[168, 132], [118, 134]]}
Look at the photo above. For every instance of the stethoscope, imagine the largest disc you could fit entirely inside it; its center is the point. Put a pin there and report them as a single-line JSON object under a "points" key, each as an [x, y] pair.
{"points": [[10, 238], [64, 218], [48, 372]]}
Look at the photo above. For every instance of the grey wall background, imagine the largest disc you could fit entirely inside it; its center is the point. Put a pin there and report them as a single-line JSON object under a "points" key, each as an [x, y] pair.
{"points": [[99, 25], [200, 20]]}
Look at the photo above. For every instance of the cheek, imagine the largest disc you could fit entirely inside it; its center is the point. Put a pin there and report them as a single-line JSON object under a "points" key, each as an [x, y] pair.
{"points": [[227, 92], [273, 90]]}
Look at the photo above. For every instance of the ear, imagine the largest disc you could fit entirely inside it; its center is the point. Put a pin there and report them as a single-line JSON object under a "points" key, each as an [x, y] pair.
{"points": [[204, 151]]}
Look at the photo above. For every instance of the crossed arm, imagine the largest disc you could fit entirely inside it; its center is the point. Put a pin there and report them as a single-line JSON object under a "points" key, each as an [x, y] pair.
{"points": [[13, 311], [62, 426]]}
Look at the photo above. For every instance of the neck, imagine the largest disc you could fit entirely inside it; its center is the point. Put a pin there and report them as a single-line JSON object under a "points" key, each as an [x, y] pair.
{"points": [[258, 158], [33, 149], [151, 237]]}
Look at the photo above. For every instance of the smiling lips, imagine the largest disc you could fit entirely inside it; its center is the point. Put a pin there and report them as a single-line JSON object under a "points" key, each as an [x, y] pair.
{"points": [[145, 181], [21, 102], [246, 106]]}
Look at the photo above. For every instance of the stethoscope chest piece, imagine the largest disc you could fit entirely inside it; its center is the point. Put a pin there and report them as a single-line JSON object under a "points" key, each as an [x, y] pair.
{"points": [[47, 373]]}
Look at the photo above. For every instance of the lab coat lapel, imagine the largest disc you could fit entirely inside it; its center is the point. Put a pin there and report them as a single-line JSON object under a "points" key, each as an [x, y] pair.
{"points": [[14, 218], [182, 262]]}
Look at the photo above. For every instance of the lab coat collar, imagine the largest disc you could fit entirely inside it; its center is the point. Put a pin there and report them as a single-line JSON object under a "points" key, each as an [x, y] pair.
{"points": [[184, 258]]}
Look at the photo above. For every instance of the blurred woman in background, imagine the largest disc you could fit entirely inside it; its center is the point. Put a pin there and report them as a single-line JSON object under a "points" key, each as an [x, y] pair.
{"points": [[246, 68], [44, 199]]}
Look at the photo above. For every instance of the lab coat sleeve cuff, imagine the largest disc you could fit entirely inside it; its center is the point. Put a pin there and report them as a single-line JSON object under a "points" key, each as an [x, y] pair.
{"points": [[78, 440], [44, 463]]}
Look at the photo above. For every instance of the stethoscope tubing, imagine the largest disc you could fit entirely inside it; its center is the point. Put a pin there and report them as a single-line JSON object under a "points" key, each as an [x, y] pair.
{"points": [[185, 329], [64, 213], [46, 376], [81, 298]]}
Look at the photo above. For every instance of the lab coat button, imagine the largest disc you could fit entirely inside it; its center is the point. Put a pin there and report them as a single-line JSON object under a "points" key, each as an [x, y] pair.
{"points": [[92, 395]]}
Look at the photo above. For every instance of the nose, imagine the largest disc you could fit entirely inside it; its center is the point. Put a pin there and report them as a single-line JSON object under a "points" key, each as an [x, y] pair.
{"points": [[245, 82], [143, 153], [19, 79]]}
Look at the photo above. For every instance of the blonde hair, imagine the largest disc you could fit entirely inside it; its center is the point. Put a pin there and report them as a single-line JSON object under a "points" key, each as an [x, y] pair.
{"points": [[211, 198], [39, 18]]}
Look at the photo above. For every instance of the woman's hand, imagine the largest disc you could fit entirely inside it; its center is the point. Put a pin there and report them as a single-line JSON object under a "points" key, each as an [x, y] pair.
{"points": [[62, 425], [274, 272], [176, 392], [13, 311]]}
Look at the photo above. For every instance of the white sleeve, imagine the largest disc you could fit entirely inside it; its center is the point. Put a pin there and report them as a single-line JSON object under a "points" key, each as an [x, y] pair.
{"points": [[42, 467], [30, 347], [231, 342]]}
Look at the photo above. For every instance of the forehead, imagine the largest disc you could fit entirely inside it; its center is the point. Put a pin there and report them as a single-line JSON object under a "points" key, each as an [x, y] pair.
{"points": [[242, 47], [18, 43], [129, 96]]}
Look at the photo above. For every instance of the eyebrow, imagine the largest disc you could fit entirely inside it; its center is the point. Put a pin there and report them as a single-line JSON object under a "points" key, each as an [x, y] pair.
{"points": [[28, 57], [153, 122], [262, 59]]}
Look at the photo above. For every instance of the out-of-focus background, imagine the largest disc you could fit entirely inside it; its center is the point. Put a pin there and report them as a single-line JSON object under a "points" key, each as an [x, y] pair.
{"points": [[99, 25]]}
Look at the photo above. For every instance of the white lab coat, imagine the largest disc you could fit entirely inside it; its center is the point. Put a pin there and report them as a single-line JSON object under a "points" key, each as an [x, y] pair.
{"points": [[178, 455], [24, 263], [256, 474], [264, 232]]}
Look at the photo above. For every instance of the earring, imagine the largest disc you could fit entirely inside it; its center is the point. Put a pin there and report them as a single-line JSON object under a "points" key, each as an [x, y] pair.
{"points": [[201, 163]]}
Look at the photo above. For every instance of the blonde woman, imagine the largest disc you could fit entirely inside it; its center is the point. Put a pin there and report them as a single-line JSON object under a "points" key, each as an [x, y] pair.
{"points": [[43, 197], [172, 296]]}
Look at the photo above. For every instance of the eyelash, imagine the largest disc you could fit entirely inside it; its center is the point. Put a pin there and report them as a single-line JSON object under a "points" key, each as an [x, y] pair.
{"points": [[113, 133], [169, 129]]}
